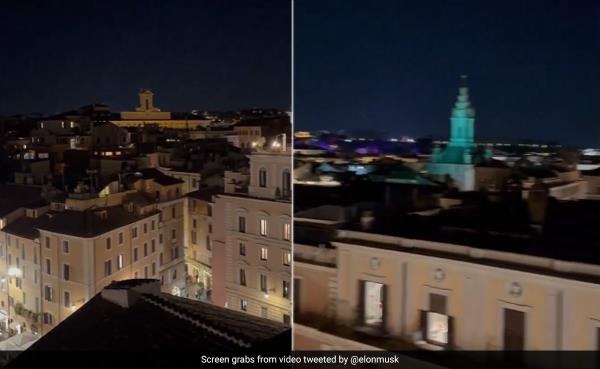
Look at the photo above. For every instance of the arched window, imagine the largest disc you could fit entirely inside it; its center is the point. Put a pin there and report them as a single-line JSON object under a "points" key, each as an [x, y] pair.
{"points": [[262, 177]]}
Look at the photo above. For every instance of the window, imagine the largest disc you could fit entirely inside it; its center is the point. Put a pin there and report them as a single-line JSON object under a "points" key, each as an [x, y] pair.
{"points": [[160, 238], [153, 225], [241, 224], [174, 274], [107, 268], [264, 253], [48, 319], [242, 277], [154, 268], [160, 258], [66, 272], [108, 243], [67, 299], [285, 290], [210, 228], [145, 272], [514, 330], [47, 242], [372, 303], [262, 177], [134, 232], [263, 283], [19, 282], [194, 223], [65, 245], [48, 267], [35, 276], [194, 237], [209, 210], [264, 312], [145, 249], [135, 254], [286, 184], [145, 228], [23, 252], [287, 258], [153, 246], [35, 251], [243, 305], [174, 234], [287, 231], [120, 262], [286, 319], [208, 245], [242, 248], [173, 212], [48, 293], [263, 227], [120, 238]]}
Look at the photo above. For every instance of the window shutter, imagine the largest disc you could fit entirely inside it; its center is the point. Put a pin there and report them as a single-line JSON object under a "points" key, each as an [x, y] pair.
{"points": [[360, 313], [423, 323], [384, 307]]}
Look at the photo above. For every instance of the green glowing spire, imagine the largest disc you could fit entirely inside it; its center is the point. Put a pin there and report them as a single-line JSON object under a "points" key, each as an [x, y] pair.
{"points": [[462, 120]]}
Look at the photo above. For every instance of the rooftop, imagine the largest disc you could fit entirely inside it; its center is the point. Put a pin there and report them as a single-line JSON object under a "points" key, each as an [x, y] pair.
{"points": [[135, 316], [89, 223]]}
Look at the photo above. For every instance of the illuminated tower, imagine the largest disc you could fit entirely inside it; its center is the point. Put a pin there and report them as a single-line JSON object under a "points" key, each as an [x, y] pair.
{"points": [[146, 101], [457, 159]]}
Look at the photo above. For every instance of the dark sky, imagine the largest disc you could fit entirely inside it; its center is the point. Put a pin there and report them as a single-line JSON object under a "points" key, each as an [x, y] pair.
{"points": [[204, 54], [393, 65]]}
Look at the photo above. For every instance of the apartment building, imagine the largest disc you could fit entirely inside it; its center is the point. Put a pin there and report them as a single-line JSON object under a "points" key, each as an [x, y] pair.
{"points": [[58, 260], [55, 258], [252, 237], [433, 294], [198, 243]]}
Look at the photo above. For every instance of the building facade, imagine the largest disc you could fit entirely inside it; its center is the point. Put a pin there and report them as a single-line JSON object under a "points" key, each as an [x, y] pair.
{"points": [[437, 295], [252, 242]]}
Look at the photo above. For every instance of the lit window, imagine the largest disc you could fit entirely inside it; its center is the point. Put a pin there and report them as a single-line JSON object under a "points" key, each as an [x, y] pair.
{"points": [[287, 258], [264, 253], [287, 231], [120, 262], [263, 227]]}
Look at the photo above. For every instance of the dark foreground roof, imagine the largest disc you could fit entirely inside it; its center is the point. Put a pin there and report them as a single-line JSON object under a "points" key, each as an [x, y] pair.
{"points": [[159, 321]]}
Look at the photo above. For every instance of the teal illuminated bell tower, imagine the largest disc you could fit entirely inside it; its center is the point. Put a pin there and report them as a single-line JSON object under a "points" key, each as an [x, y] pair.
{"points": [[462, 120], [457, 159]]}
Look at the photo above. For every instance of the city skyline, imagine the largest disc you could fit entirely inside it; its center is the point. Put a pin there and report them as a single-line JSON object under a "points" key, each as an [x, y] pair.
{"points": [[531, 73], [208, 56]]}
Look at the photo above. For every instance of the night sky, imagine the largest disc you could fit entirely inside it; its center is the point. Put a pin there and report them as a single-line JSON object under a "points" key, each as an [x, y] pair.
{"points": [[206, 55], [533, 67]]}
